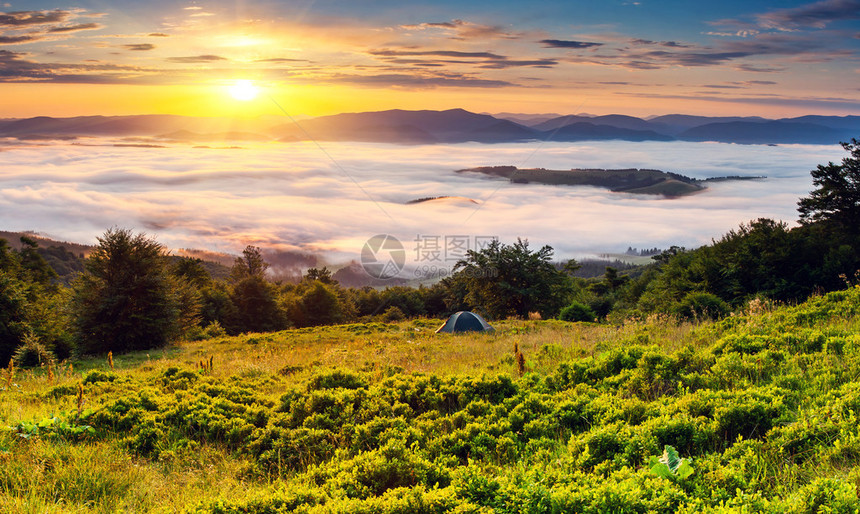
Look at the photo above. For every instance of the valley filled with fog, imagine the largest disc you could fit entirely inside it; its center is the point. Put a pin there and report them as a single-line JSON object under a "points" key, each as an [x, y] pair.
{"points": [[294, 197]]}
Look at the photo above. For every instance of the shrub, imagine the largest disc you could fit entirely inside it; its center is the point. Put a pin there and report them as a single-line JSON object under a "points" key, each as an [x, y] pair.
{"points": [[393, 313], [698, 305], [32, 353], [577, 312]]}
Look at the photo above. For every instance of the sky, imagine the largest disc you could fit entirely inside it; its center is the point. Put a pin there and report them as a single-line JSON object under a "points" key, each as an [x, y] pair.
{"points": [[645, 57]]}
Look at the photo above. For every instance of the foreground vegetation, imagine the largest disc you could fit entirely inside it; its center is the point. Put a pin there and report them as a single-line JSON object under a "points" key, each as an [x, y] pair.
{"points": [[393, 418]]}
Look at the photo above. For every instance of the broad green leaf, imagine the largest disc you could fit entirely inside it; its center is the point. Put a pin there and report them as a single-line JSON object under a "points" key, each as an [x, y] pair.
{"points": [[671, 458], [685, 469], [671, 465], [661, 470]]}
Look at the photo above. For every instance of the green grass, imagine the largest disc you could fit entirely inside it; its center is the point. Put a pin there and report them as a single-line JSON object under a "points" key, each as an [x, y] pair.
{"points": [[395, 418]]}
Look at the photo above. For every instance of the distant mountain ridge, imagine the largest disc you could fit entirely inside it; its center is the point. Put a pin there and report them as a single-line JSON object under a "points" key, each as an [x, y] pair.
{"points": [[449, 126]]}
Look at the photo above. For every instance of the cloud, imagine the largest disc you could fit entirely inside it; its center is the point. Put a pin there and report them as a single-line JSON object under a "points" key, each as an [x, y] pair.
{"points": [[816, 15], [560, 43], [791, 47], [197, 59], [437, 53], [465, 30], [280, 60], [669, 44], [76, 28], [15, 68], [759, 69], [659, 59], [42, 25], [158, 34], [221, 200], [27, 18], [485, 60], [139, 47], [412, 81], [513, 63], [15, 40], [693, 59]]}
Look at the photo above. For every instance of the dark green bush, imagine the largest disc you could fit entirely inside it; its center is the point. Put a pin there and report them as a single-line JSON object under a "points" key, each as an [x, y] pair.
{"points": [[699, 305], [577, 312]]}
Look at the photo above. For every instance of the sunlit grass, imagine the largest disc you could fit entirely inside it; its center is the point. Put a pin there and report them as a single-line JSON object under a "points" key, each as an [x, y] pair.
{"points": [[44, 474]]}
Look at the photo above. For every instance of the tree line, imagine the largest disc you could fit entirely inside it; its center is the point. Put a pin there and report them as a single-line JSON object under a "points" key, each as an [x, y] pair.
{"points": [[130, 295]]}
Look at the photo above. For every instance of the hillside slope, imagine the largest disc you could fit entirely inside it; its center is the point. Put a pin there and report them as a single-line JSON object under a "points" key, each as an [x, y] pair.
{"points": [[393, 418]]}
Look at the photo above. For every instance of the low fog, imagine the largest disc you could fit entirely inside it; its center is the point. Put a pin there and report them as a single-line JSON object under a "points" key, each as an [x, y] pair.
{"points": [[295, 198]]}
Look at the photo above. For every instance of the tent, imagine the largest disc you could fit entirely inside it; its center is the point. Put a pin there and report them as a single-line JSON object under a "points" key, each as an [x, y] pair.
{"points": [[465, 321]]}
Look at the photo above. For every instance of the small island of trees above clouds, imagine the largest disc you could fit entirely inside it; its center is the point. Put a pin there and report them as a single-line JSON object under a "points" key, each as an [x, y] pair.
{"points": [[632, 180]]}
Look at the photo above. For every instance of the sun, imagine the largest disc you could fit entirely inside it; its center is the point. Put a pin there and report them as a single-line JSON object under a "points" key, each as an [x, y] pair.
{"points": [[243, 90]]}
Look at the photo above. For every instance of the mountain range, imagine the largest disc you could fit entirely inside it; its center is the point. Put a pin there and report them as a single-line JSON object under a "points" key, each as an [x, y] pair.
{"points": [[450, 126]]}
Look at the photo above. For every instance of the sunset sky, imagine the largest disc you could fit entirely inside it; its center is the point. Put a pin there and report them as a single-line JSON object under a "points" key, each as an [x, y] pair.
{"points": [[643, 57]]}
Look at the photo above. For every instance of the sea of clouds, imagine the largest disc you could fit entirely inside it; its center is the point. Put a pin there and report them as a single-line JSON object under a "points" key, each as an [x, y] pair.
{"points": [[326, 202]]}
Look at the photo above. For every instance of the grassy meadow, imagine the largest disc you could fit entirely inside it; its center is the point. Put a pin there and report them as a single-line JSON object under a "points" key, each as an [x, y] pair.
{"points": [[394, 418]]}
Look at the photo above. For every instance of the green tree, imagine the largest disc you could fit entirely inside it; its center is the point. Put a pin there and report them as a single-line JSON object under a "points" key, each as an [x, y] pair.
{"points": [[30, 306], [33, 262], [255, 299], [250, 264], [837, 197], [13, 314], [318, 304], [191, 269], [217, 306], [257, 308], [511, 280], [322, 274], [123, 301]]}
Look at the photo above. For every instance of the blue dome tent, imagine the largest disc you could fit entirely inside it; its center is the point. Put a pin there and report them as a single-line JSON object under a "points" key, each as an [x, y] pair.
{"points": [[465, 321]]}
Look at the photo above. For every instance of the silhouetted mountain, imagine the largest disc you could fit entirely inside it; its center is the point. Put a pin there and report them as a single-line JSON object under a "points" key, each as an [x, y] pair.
{"points": [[674, 124], [838, 122], [504, 130], [96, 125], [119, 126], [451, 126], [612, 120], [582, 131], [525, 119], [561, 121], [768, 132]]}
